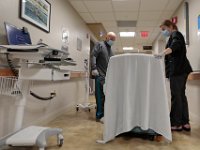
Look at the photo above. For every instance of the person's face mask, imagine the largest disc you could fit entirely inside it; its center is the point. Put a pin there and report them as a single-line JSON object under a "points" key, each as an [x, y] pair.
{"points": [[110, 42], [166, 33]]}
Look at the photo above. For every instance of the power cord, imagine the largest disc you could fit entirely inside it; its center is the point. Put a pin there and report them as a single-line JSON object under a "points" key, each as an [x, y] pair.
{"points": [[52, 95]]}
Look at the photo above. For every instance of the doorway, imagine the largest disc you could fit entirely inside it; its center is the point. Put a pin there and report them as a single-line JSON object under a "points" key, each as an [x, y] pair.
{"points": [[91, 81]]}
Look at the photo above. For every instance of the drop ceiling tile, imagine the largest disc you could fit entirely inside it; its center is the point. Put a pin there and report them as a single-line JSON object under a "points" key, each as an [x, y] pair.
{"points": [[126, 23], [117, 42], [127, 29], [153, 5], [126, 15], [149, 29], [141, 23], [149, 16], [79, 6], [109, 24], [173, 5], [116, 48], [151, 40], [87, 17], [129, 5], [118, 39], [166, 15], [127, 41], [98, 6], [112, 29], [156, 31], [100, 17]]}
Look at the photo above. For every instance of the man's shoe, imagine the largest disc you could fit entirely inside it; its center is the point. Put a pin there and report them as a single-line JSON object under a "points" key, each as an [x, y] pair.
{"points": [[102, 120], [97, 119]]}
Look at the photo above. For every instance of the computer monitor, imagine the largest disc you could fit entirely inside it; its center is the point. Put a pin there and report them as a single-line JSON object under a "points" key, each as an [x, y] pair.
{"points": [[17, 36]]}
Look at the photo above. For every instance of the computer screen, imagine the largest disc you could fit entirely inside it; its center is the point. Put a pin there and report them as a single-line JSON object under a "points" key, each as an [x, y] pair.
{"points": [[16, 36]]}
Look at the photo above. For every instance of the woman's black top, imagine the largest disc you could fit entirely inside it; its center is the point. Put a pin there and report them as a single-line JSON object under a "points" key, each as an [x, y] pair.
{"points": [[177, 63]]}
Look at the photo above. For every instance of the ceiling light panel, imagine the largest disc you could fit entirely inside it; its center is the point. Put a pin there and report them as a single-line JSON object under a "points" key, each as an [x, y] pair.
{"points": [[127, 34], [127, 48]]}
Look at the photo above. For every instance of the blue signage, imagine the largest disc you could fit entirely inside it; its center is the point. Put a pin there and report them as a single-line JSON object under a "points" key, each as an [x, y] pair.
{"points": [[199, 23]]}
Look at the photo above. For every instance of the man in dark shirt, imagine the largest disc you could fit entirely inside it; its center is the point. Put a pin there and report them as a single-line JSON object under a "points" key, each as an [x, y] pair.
{"points": [[100, 58], [177, 69]]}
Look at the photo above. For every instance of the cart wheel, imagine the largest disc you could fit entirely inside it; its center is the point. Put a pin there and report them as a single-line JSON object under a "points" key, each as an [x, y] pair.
{"points": [[77, 108], [61, 141]]}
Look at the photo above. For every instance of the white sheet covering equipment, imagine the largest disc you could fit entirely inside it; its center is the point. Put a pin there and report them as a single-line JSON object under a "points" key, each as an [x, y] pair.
{"points": [[136, 95]]}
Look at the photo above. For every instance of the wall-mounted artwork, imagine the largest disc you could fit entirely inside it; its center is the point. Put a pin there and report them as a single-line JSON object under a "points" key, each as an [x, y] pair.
{"points": [[36, 12]]}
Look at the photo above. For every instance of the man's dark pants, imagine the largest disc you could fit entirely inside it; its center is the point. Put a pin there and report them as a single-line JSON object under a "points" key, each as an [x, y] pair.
{"points": [[100, 97]]}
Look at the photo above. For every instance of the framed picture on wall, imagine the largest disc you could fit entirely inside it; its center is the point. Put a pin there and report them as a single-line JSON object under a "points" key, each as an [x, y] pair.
{"points": [[36, 12]]}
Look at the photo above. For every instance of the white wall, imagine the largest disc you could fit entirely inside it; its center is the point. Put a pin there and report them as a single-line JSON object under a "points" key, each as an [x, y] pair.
{"points": [[193, 54], [159, 45], [68, 92], [193, 90]]}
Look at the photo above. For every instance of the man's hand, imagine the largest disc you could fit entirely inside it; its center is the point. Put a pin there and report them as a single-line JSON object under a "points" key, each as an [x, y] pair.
{"points": [[95, 72]]}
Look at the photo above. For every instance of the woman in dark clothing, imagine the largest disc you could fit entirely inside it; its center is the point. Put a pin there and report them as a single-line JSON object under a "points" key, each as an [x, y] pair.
{"points": [[177, 69]]}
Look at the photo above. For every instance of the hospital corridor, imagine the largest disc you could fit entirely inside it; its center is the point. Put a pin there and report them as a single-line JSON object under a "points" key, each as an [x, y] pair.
{"points": [[81, 131], [99, 74]]}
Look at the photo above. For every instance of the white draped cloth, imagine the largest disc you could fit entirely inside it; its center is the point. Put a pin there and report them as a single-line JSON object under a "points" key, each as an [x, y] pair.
{"points": [[135, 95]]}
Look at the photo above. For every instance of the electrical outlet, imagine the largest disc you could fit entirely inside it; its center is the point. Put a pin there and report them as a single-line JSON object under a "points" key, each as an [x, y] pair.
{"points": [[53, 93]]}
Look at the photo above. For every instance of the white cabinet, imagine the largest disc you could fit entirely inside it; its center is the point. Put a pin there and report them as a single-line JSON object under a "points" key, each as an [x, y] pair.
{"points": [[46, 74]]}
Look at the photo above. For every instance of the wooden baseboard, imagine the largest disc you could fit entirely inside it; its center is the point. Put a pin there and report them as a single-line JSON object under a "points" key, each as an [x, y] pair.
{"points": [[79, 74], [194, 76], [6, 72]]}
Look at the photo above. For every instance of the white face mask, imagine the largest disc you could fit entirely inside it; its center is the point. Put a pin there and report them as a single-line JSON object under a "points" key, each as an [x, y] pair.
{"points": [[166, 33], [110, 42]]}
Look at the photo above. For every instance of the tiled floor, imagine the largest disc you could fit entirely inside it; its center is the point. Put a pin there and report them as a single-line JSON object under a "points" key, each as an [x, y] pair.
{"points": [[81, 131]]}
